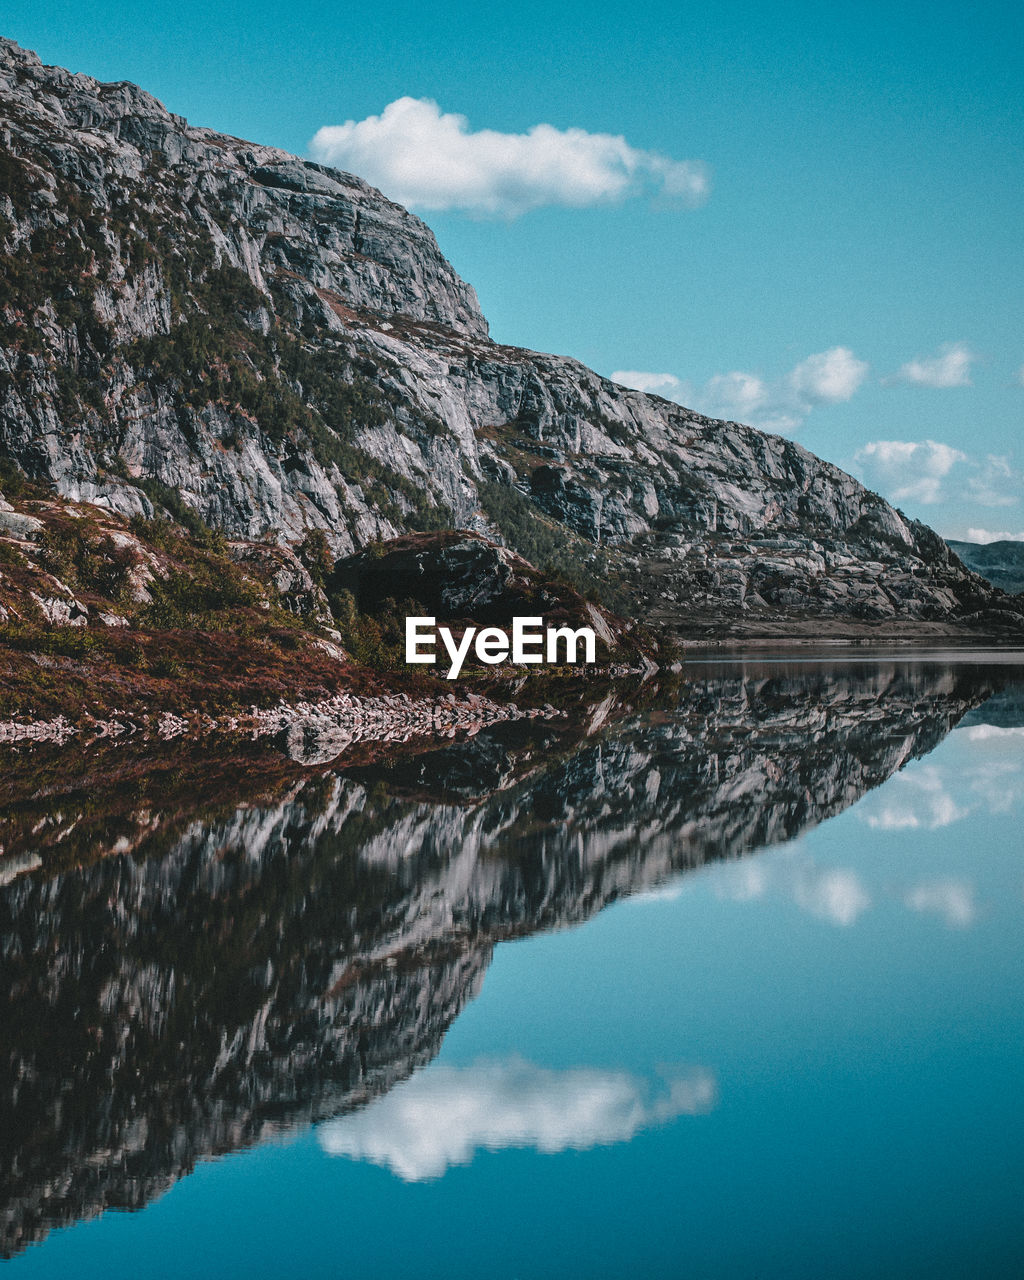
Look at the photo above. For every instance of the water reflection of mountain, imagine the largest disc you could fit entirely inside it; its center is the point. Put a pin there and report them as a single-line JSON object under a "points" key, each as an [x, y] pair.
{"points": [[1004, 709], [282, 961]]}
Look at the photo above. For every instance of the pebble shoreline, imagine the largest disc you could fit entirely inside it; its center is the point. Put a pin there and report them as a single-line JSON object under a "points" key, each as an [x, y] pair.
{"points": [[312, 730]]}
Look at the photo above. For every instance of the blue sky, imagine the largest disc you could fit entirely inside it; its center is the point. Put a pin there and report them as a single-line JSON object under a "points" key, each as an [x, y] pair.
{"points": [[811, 219]]}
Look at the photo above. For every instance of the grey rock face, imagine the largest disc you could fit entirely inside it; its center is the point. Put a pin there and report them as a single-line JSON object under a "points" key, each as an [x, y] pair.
{"points": [[290, 350], [453, 576]]}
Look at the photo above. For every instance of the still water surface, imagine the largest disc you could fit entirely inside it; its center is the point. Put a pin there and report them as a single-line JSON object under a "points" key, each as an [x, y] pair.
{"points": [[729, 984]]}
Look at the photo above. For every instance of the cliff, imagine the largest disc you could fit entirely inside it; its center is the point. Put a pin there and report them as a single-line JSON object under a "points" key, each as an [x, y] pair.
{"points": [[288, 351]]}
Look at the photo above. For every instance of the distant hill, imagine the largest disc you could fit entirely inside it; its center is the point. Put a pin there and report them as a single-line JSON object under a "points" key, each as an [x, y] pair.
{"points": [[1002, 563]]}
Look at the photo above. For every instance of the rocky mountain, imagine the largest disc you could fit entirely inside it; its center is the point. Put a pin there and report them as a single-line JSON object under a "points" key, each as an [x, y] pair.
{"points": [[254, 956], [1001, 563], [288, 351]]}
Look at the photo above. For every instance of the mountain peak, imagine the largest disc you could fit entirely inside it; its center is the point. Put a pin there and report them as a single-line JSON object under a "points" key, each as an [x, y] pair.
{"points": [[363, 247]]}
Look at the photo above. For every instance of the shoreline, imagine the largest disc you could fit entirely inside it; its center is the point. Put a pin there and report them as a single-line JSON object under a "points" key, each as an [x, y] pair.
{"points": [[311, 728]]}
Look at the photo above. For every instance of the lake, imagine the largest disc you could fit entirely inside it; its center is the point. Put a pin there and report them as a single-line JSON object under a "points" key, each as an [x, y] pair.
{"points": [[721, 978]]}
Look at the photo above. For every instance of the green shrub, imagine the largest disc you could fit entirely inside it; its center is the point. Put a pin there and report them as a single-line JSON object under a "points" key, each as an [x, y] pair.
{"points": [[559, 553], [65, 642], [315, 553], [192, 599], [72, 553], [375, 640]]}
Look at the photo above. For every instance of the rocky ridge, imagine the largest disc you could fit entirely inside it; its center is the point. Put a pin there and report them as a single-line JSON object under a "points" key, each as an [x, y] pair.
{"points": [[288, 350]]}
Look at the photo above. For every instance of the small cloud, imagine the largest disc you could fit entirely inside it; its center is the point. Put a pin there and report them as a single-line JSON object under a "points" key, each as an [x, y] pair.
{"points": [[908, 470], [747, 881], [746, 398], [430, 159], [658, 384], [829, 377], [916, 471], [996, 781], [914, 800], [989, 535], [995, 483], [671, 891], [833, 894], [951, 367], [780, 405], [444, 1115], [930, 797], [952, 900]]}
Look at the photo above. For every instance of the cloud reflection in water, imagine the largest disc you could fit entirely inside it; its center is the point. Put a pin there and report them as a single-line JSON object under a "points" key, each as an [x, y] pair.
{"points": [[951, 900], [444, 1115]]}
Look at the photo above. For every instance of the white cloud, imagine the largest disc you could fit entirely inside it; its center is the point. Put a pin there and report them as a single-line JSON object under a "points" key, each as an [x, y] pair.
{"points": [[827, 377], [951, 899], [747, 398], [833, 894], [918, 799], [745, 881], [951, 367], [996, 781], [671, 891], [908, 470], [995, 483], [421, 156], [985, 774], [442, 1116], [927, 797], [917, 471], [660, 384], [989, 535]]}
